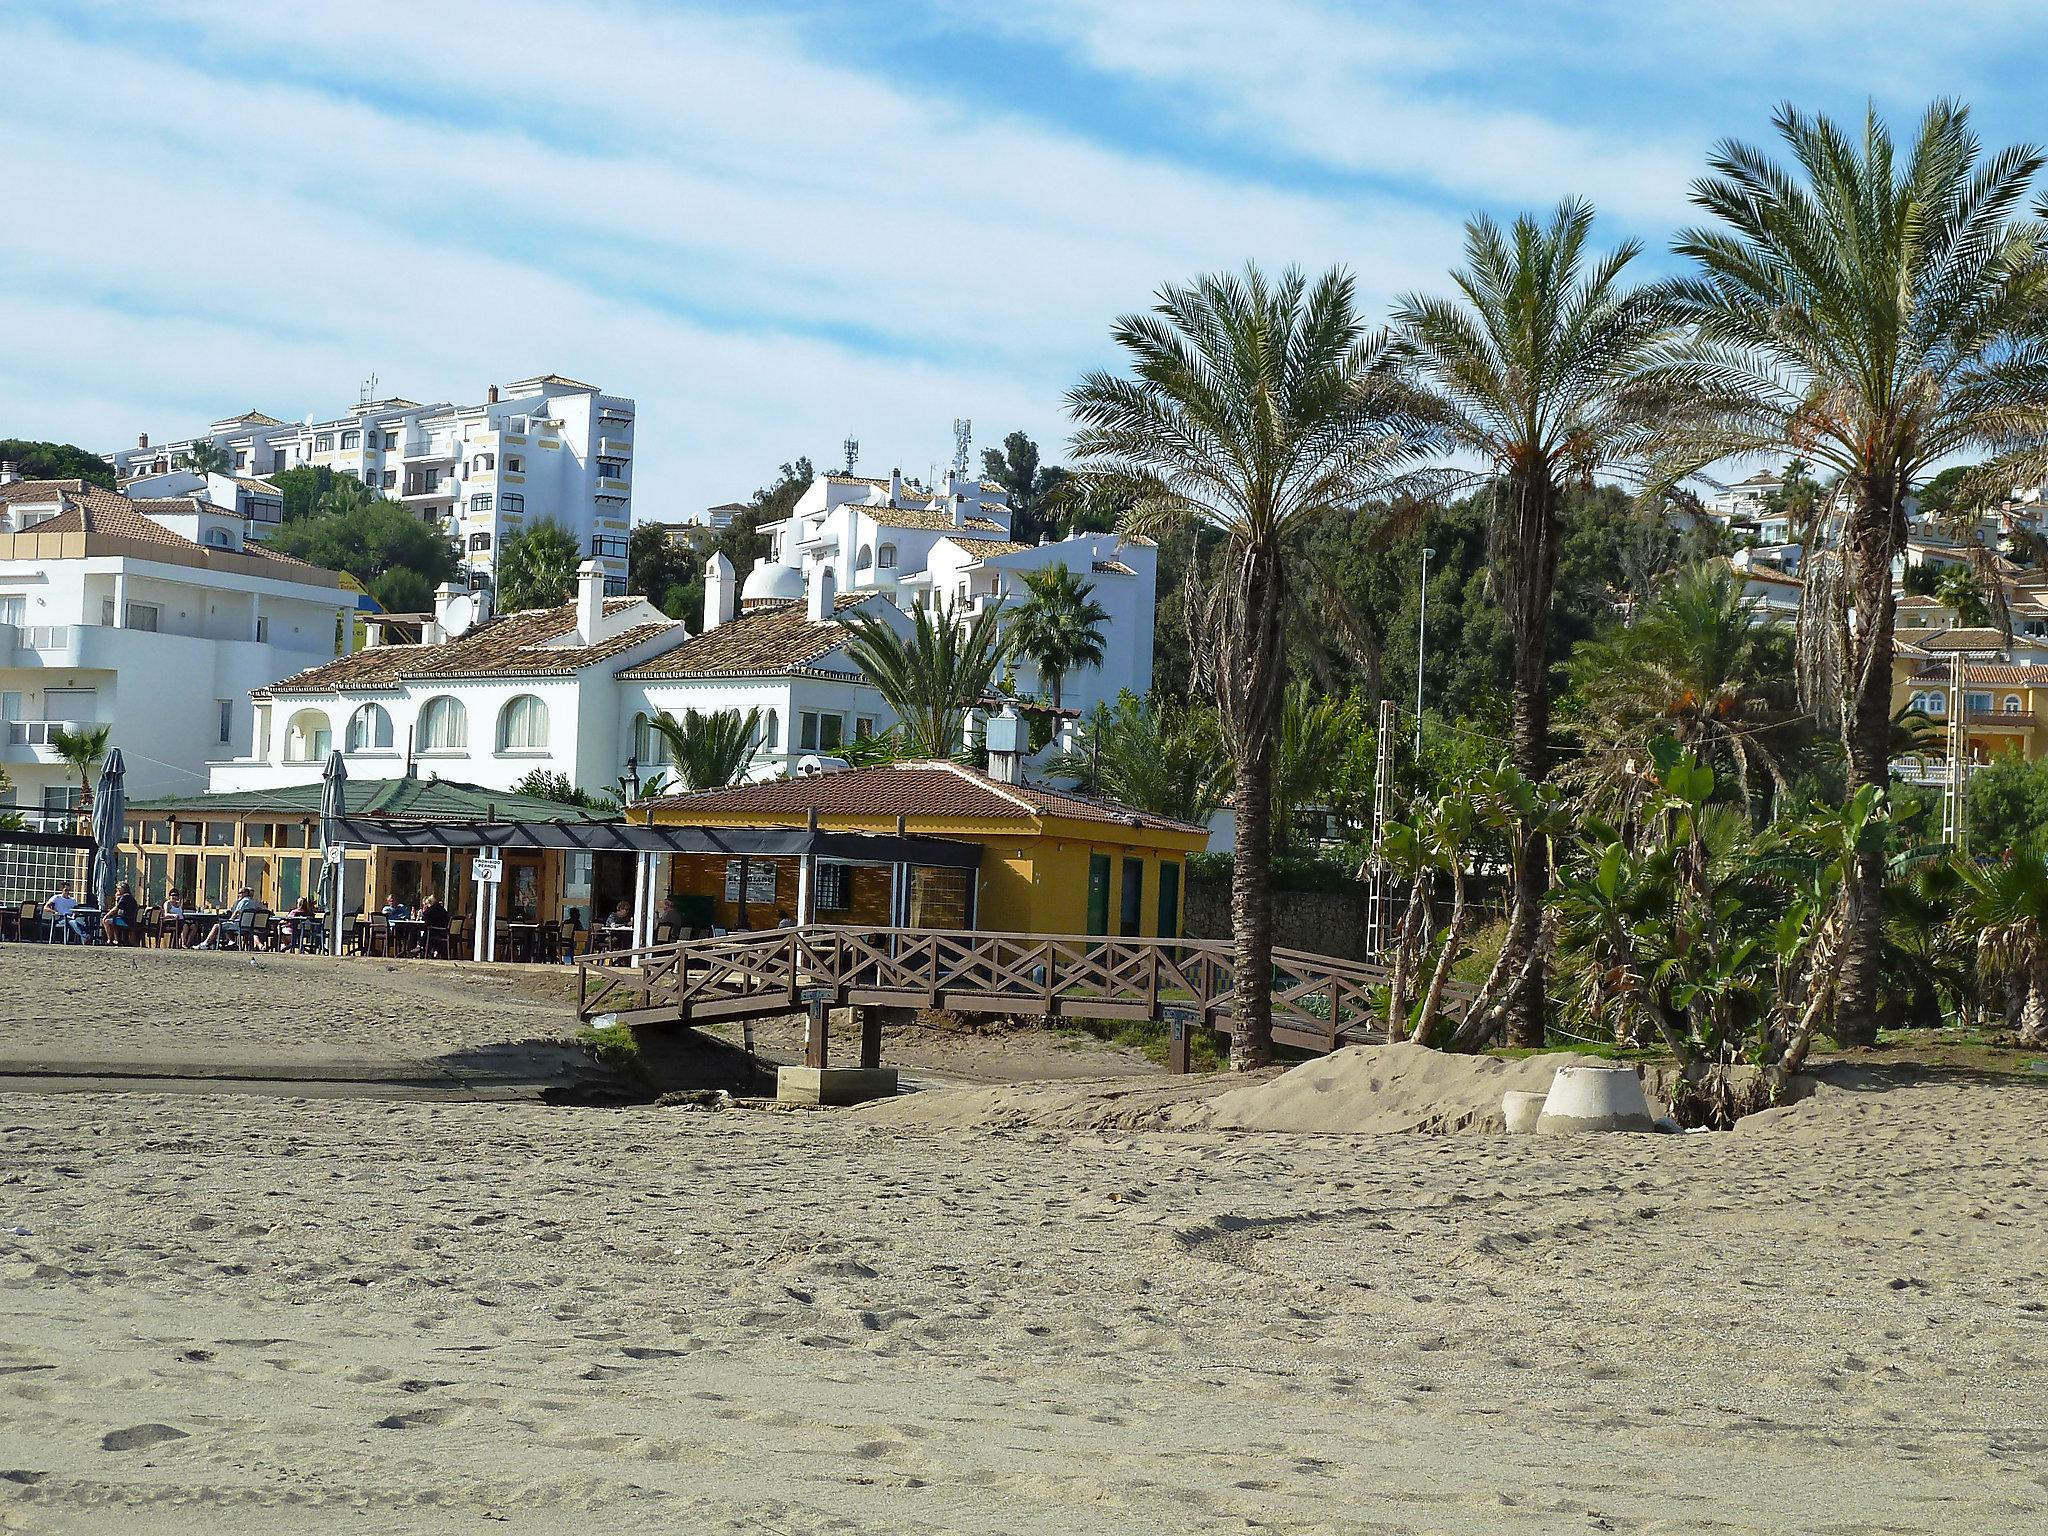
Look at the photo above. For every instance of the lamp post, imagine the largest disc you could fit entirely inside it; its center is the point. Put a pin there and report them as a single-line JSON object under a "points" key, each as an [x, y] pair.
{"points": [[1421, 640]]}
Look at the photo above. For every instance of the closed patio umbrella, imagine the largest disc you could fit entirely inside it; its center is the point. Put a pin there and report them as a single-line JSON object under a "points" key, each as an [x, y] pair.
{"points": [[333, 807], [109, 814]]}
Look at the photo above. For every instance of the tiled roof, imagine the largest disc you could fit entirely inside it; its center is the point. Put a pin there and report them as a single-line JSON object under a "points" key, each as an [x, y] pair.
{"points": [[254, 486], [1914, 600], [1989, 672], [249, 419], [1114, 568], [1770, 577], [511, 645], [108, 512], [1945, 640], [769, 641], [988, 549], [917, 791], [398, 799], [181, 506], [928, 517]]}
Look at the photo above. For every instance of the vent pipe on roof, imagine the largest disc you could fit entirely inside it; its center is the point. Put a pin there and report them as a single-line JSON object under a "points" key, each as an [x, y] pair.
{"points": [[142, 439], [491, 395], [896, 487], [9, 473]]}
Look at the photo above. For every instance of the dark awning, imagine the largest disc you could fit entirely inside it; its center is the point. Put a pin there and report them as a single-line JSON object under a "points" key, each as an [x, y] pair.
{"points": [[23, 838], [619, 837]]}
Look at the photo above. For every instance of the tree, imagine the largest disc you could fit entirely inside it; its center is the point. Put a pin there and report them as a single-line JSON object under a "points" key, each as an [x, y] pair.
{"points": [[402, 590], [1882, 314], [935, 676], [546, 784], [302, 488], [1260, 408], [56, 461], [1059, 626], [367, 540], [1941, 497], [1034, 489], [1697, 668], [1534, 373], [10, 819], [741, 540], [1153, 754], [667, 574], [82, 751], [537, 567], [1962, 591], [2008, 804], [1317, 758], [205, 458], [709, 751], [2007, 907]]}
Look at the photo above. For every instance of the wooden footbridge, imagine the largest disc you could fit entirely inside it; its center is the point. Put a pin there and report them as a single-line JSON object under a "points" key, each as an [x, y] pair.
{"points": [[1319, 1002]]}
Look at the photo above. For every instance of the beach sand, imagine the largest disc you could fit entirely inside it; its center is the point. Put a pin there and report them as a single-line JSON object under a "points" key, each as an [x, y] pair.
{"points": [[256, 1314]]}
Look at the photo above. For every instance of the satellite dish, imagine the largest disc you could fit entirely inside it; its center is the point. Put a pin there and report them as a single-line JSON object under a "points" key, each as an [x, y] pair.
{"points": [[461, 614]]}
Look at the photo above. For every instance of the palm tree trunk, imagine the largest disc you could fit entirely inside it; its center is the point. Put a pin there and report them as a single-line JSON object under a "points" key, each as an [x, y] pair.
{"points": [[1252, 705], [1876, 531], [2034, 1012], [1433, 999], [1532, 580], [1399, 980]]}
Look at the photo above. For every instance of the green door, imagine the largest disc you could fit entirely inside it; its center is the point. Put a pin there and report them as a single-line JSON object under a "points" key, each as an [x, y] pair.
{"points": [[1098, 893], [1169, 900], [1130, 915]]}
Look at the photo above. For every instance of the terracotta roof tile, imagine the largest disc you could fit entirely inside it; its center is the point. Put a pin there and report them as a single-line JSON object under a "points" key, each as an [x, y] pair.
{"points": [[1114, 568], [915, 791], [928, 517], [1945, 640], [768, 641]]}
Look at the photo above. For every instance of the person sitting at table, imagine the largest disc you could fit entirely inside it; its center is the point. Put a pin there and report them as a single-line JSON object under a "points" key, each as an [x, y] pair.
{"points": [[434, 919], [238, 922], [394, 910], [304, 921], [118, 926], [176, 930], [622, 916], [62, 911], [671, 919]]}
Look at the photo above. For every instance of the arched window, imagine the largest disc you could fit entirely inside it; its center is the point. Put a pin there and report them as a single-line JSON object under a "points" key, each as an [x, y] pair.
{"points": [[1937, 704], [523, 725], [444, 725], [2012, 703], [308, 738], [864, 560], [369, 729], [770, 734], [649, 745], [885, 558]]}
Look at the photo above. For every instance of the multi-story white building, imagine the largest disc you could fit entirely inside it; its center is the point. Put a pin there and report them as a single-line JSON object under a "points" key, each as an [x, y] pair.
{"points": [[156, 617], [953, 547], [545, 449]]}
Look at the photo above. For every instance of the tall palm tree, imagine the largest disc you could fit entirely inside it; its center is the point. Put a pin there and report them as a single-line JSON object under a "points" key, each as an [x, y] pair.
{"points": [[1697, 667], [709, 751], [2007, 907], [1059, 625], [82, 751], [935, 676], [1534, 371], [537, 568], [1153, 754], [1260, 408], [204, 457], [1879, 314]]}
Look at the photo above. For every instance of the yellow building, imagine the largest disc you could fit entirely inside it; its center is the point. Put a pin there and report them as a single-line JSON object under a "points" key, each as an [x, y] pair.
{"points": [[1049, 862], [2004, 704]]}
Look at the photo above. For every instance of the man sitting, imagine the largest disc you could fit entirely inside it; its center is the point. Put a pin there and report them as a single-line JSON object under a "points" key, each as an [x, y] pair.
{"points": [[61, 911], [119, 925], [233, 929]]}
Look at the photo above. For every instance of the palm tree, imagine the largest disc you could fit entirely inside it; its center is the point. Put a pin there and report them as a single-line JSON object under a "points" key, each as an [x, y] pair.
{"points": [[1697, 667], [1059, 626], [1963, 591], [1880, 316], [1153, 754], [537, 568], [82, 751], [1316, 735], [1261, 409], [709, 751], [1534, 372], [2007, 907], [206, 458], [935, 676]]}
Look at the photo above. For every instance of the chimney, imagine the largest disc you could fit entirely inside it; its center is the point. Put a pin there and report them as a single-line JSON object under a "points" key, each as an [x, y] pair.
{"points": [[822, 593], [1007, 740], [436, 630], [959, 506], [720, 592], [590, 602], [491, 395], [895, 487], [9, 473], [142, 439]]}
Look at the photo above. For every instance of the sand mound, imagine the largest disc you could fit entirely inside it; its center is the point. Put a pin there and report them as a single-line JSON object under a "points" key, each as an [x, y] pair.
{"points": [[1361, 1090]]}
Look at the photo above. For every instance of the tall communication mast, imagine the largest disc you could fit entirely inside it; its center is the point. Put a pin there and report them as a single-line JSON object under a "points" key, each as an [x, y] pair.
{"points": [[1378, 896], [963, 444], [852, 447]]}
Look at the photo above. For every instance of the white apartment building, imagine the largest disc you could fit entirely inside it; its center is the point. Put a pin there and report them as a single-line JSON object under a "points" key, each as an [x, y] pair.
{"points": [[542, 449], [920, 547], [156, 617]]}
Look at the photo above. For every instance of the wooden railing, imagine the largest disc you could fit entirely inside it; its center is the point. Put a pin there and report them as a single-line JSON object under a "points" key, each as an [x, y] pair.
{"points": [[1319, 1002]]}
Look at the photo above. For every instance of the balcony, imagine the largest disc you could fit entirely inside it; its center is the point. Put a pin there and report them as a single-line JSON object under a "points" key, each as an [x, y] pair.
{"points": [[432, 448], [33, 741], [427, 490], [610, 447], [608, 485]]}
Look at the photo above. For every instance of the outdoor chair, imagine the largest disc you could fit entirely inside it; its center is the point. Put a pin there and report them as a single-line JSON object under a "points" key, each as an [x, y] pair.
{"points": [[26, 920], [257, 934], [376, 939], [549, 945], [437, 943]]}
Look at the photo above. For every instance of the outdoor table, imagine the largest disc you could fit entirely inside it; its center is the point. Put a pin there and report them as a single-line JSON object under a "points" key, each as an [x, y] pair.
{"points": [[515, 934], [408, 935], [298, 932], [89, 916]]}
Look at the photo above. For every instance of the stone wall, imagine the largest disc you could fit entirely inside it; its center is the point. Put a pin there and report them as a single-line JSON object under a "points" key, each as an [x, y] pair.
{"points": [[1323, 922]]}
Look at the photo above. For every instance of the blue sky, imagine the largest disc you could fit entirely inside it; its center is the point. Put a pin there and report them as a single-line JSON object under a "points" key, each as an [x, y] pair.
{"points": [[773, 224]]}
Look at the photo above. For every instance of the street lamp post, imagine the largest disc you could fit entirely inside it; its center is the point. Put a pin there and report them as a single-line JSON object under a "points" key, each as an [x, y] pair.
{"points": [[1421, 639]]}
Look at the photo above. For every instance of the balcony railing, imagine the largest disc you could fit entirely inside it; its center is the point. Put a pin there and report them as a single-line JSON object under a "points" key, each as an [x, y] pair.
{"points": [[37, 733], [2013, 719]]}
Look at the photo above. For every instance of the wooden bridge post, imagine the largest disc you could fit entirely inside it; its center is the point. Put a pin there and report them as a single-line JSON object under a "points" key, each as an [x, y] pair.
{"points": [[870, 1036], [817, 1040], [1179, 1023]]}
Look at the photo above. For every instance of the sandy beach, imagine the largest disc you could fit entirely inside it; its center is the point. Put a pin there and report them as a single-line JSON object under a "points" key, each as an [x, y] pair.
{"points": [[239, 1313]]}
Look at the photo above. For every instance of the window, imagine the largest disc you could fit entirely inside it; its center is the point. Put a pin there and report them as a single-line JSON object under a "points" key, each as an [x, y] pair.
{"points": [[479, 542], [391, 442], [144, 616], [484, 461], [324, 443], [262, 630], [864, 560], [834, 887], [390, 481], [513, 463], [863, 727], [511, 502], [615, 586], [241, 458], [227, 717], [771, 732], [2012, 703], [1979, 703], [480, 503], [444, 725], [13, 608], [523, 725], [369, 729], [608, 547], [820, 732], [1936, 704], [649, 745], [219, 538], [612, 469], [308, 738], [351, 439], [220, 834], [885, 558]]}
